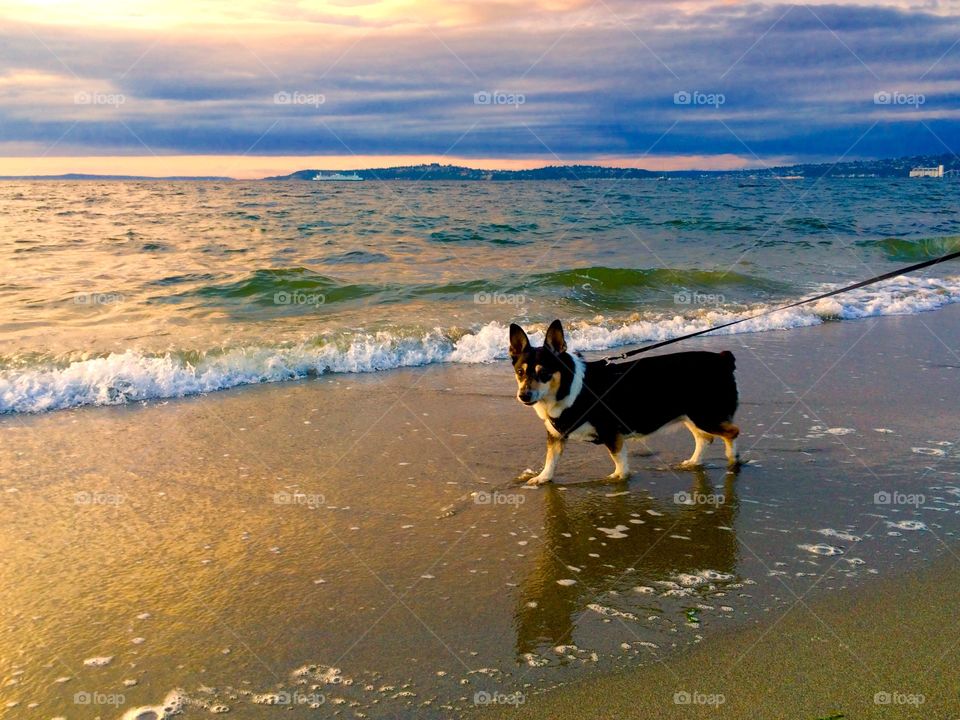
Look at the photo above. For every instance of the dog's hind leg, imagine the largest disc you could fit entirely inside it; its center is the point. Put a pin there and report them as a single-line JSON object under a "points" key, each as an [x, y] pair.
{"points": [[701, 439], [554, 450], [618, 453], [729, 433], [733, 456]]}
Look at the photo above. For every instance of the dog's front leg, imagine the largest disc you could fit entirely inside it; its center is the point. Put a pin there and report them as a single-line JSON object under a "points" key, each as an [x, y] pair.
{"points": [[554, 450]]}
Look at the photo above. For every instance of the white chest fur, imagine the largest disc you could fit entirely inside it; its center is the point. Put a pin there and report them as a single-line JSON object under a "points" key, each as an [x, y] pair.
{"points": [[542, 411]]}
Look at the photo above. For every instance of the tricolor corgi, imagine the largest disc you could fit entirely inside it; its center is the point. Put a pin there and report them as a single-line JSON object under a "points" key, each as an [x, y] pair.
{"points": [[605, 403]]}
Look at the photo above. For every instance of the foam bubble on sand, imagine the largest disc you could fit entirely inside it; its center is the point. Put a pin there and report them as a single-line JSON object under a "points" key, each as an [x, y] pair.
{"points": [[840, 431], [99, 661], [936, 452], [616, 533], [822, 549], [611, 612], [715, 575], [322, 674], [567, 582], [266, 698], [533, 660], [907, 525], [839, 534], [172, 705]]}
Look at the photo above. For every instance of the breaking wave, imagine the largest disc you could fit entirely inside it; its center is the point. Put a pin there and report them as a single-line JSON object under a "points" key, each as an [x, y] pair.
{"points": [[129, 376]]}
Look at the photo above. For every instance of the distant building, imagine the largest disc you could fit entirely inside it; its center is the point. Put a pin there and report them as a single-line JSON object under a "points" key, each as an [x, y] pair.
{"points": [[936, 172]]}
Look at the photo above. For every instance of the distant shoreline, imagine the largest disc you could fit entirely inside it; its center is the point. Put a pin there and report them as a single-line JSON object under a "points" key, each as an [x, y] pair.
{"points": [[857, 169]]}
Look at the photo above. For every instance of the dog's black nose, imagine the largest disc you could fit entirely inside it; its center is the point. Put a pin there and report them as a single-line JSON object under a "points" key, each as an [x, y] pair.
{"points": [[525, 397]]}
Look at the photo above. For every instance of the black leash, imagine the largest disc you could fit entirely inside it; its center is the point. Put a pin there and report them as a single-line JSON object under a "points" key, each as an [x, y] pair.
{"points": [[862, 283]]}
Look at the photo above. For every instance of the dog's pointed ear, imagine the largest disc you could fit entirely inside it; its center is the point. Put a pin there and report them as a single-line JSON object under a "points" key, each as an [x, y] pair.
{"points": [[518, 340], [554, 339]]}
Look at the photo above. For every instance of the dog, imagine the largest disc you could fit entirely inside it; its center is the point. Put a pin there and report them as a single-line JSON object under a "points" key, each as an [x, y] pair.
{"points": [[605, 403]]}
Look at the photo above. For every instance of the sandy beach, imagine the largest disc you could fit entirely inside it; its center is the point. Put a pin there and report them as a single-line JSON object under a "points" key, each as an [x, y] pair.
{"points": [[262, 453], [881, 651], [356, 545]]}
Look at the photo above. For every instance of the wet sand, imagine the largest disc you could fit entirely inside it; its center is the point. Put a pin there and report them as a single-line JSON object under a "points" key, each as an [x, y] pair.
{"points": [[236, 547], [888, 649]]}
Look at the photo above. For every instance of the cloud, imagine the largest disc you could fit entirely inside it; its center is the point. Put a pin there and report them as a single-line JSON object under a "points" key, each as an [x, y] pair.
{"points": [[590, 80]]}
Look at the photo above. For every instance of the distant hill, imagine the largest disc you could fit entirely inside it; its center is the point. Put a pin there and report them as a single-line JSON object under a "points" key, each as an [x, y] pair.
{"points": [[890, 168], [436, 171]]}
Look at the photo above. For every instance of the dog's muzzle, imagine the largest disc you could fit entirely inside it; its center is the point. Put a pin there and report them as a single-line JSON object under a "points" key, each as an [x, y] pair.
{"points": [[526, 398]]}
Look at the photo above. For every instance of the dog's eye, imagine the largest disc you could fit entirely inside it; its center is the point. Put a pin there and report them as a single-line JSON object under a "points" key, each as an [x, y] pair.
{"points": [[545, 375]]}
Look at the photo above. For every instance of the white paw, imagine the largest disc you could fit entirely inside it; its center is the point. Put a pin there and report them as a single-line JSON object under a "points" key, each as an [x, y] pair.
{"points": [[618, 477], [527, 474], [539, 479], [689, 464]]}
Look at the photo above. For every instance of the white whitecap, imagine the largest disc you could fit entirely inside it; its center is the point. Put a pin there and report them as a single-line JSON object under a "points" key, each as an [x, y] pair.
{"points": [[822, 549]]}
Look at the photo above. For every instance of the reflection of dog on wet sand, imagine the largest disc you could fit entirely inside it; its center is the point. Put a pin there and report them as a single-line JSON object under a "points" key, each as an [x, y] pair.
{"points": [[605, 403], [663, 539]]}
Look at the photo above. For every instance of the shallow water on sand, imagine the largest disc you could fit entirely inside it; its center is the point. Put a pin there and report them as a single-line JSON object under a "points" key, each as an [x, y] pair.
{"points": [[357, 543]]}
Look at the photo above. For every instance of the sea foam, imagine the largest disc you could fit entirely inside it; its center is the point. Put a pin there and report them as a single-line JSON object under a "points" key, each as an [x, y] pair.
{"points": [[131, 376]]}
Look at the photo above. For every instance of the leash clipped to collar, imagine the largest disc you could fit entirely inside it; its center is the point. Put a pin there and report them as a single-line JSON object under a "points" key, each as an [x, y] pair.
{"points": [[862, 283]]}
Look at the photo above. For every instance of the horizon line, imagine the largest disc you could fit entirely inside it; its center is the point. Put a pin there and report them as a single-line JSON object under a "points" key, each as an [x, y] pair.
{"points": [[519, 166], [247, 167]]}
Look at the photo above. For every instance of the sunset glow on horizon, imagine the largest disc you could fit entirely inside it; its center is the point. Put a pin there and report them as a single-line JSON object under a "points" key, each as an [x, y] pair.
{"points": [[249, 167]]}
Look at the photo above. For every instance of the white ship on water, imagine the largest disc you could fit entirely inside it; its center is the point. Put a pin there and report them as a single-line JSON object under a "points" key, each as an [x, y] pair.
{"points": [[934, 172], [336, 177]]}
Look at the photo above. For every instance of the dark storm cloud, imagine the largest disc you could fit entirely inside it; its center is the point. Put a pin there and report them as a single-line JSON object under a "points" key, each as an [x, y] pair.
{"points": [[764, 80]]}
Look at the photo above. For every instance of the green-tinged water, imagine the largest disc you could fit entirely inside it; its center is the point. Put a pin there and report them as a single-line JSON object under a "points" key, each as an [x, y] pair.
{"points": [[104, 282]]}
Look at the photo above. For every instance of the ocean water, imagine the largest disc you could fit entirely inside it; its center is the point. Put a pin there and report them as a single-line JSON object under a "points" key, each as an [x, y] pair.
{"points": [[125, 291]]}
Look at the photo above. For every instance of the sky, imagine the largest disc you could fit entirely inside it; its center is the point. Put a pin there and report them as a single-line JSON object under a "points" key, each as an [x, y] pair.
{"points": [[249, 88]]}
